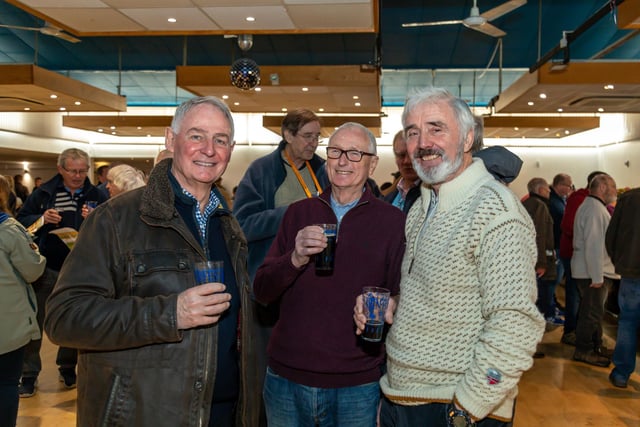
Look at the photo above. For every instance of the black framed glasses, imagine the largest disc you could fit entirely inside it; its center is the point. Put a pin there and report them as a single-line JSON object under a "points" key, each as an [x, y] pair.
{"points": [[352, 155], [76, 171]]}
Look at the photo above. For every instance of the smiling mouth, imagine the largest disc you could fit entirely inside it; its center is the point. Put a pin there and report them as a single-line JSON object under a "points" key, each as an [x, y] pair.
{"points": [[427, 155], [201, 163]]}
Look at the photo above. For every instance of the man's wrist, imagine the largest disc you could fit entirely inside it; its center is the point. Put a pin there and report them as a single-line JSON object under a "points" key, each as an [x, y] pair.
{"points": [[457, 417]]}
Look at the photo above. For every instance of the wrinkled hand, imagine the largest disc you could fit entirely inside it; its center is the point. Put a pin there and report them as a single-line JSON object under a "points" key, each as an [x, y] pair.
{"points": [[85, 211], [360, 319], [309, 241], [596, 285], [540, 272], [202, 305], [51, 216]]}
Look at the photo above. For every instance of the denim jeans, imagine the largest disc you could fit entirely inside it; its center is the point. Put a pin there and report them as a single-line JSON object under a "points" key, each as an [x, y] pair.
{"points": [[624, 356], [545, 301], [572, 298], [290, 404], [66, 357], [590, 314], [428, 415]]}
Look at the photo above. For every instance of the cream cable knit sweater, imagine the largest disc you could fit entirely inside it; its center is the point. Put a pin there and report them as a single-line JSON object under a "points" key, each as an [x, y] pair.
{"points": [[467, 324]]}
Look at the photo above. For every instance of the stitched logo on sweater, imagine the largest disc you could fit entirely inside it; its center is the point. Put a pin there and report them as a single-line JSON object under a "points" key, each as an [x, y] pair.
{"points": [[493, 376]]}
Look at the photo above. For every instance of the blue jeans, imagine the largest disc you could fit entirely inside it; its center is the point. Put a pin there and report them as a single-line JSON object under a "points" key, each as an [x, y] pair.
{"points": [[624, 356], [545, 301], [572, 298], [67, 358], [428, 415], [10, 368], [290, 404]]}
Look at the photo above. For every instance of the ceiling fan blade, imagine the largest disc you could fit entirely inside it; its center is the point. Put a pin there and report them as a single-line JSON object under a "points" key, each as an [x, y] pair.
{"points": [[488, 29], [431, 24], [67, 37], [50, 30], [19, 27], [503, 9]]}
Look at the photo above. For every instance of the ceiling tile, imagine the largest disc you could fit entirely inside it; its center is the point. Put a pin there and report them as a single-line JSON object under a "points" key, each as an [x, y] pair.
{"points": [[267, 17], [155, 19], [346, 16], [87, 20]]}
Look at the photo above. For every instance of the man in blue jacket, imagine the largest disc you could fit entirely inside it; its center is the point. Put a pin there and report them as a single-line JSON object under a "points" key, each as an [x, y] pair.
{"points": [[55, 204]]}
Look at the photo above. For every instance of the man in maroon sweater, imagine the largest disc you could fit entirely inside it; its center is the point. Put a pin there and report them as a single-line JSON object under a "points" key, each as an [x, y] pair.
{"points": [[319, 371], [572, 299]]}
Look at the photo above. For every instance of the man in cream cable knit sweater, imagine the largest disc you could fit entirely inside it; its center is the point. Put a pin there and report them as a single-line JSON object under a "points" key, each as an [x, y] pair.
{"points": [[467, 325]]}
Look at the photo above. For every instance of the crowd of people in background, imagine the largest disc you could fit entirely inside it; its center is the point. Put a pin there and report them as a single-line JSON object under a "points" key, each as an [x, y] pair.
{"points": [[106, 271]]}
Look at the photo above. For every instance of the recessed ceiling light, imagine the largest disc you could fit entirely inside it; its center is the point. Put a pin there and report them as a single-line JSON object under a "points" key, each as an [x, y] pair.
{"points": [[560, 110], [172, 20], [77, 102], [305, 89], [600, 109], [357, 104], [100, 130], [557, 134], [567, 132], [543, 96], [356, 97], [225, 96], [250, 18], [27, 109], [236, 103], [284, 109], [258, 89], [148, 135], [62, 108], [530, 103], [113, 133], [608, 87], [516, 128], [53, 96], [139, 128], [112, 127], [546, 129], [321, 109]]}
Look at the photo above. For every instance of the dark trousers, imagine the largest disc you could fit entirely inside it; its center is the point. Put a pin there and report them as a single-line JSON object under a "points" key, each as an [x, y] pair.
{"points": [[10, 369], [590, 314], [67, 358], [430, 415]]}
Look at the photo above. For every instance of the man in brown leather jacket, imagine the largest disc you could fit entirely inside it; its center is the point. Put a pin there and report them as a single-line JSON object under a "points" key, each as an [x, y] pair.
{"points": [[155, 349]]}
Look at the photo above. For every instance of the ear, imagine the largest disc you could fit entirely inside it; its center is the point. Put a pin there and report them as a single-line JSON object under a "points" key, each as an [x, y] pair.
{"points": [[169, 139], [468, 141], [288, 136], [372, 165]]}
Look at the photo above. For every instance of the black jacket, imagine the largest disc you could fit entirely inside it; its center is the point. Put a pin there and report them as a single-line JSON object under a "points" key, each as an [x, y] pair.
{"points": [[623, 235]]}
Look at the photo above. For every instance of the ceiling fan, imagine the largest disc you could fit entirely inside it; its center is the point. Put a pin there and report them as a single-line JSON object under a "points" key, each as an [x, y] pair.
{"points": [[47, 29], [477, 21]]}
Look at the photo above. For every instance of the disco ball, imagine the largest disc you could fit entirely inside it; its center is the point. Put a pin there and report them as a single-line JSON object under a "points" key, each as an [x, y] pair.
{"points": [[245, 74]]}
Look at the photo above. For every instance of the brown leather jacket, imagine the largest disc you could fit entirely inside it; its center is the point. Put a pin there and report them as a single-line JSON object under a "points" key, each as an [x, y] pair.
{"points": [[116, 301]]}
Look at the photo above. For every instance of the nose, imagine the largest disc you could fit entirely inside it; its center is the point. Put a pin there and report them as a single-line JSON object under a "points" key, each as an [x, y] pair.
{"points": [[209, 148]]}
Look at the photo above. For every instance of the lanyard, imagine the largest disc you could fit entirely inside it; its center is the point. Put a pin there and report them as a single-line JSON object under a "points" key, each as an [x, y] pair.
{"points": [[300, 180]]}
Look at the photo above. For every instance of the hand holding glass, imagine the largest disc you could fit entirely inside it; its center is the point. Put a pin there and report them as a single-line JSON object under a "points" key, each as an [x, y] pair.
{"points": [[324, 259], [375, 302], [209, 271]]}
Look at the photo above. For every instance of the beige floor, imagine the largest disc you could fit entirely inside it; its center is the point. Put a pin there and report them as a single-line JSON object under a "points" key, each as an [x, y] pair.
{"points": [[556, 392]]}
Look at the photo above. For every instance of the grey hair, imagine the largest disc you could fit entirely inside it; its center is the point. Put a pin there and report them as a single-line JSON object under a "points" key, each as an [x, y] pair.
{"points": [[73, 154], [433, 95], [372, 139], [215, 102], [478, 133], [534, 184], [126, 177]]}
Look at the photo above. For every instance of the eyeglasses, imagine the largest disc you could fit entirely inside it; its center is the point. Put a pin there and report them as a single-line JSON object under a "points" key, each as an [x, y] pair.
{"points": [[352, 155], [76, 171], [310, 137]]}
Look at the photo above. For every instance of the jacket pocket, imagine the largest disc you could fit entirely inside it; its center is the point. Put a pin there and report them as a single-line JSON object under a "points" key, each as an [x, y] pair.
{"points": [[117, 411], [159, 272]]}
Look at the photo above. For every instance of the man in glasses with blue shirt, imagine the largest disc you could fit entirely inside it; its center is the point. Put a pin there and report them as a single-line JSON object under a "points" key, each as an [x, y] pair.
{"points": [[319, 372]]}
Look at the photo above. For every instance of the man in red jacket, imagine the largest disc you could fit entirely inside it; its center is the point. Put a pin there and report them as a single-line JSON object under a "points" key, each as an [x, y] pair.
{"points": [[572, 299]]}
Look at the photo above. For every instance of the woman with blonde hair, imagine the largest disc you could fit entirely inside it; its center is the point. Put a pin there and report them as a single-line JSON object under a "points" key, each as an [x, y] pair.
{"points": [[124, 178], [20, 264]]}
